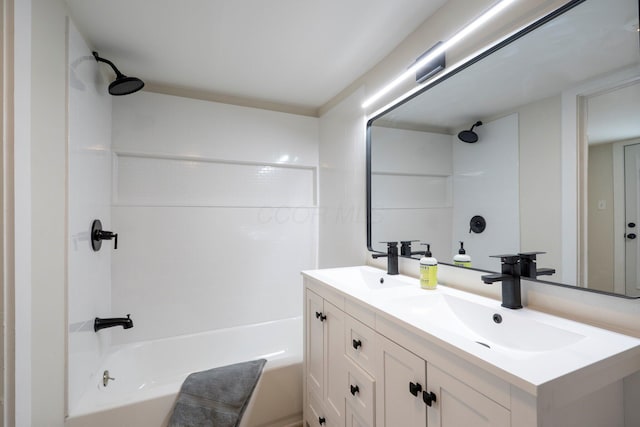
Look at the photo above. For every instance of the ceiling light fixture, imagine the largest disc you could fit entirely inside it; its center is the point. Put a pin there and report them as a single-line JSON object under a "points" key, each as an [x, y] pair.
{"points": [[474, 25]]}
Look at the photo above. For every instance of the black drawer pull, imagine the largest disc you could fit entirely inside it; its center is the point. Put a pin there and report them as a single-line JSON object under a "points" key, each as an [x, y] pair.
{"points": [[357, 343], [354, 389], [415, 388], [320, 316], [429, 398]]}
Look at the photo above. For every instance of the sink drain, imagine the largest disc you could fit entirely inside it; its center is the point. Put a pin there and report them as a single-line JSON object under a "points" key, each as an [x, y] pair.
{"points": [[483, 344]]}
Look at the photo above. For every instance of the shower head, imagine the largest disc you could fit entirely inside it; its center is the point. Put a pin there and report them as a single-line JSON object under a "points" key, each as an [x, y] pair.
{"points": [[122, 85], [469, 136]]}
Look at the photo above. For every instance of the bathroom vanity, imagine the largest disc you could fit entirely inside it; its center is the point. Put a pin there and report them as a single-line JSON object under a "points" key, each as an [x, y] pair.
{"points": [[380, 351]]}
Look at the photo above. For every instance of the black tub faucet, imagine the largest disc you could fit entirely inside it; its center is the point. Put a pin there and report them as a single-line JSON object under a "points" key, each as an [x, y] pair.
{"points": [[392, 257], [125, 322], [510, 278]]}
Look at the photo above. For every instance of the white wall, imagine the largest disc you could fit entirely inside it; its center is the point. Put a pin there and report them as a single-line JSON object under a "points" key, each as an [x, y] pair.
{"points": [[48, 219], [89, 181], [486, 181], [343, 220], [216, 210]]}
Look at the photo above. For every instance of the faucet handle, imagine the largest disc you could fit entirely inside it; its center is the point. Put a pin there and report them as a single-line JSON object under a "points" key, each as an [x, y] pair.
{"points": [[405, 247], [507, 258], [530, 255]]}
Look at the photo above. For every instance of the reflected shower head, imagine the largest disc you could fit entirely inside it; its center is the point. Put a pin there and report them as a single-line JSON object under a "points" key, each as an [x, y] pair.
{"points": [[469, 136], [122, 85]]}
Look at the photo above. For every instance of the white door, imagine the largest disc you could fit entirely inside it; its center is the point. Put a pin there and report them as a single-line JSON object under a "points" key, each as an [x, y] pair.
{"points": [[632, 208], [315, 344], [457, 404], [400, 381]]}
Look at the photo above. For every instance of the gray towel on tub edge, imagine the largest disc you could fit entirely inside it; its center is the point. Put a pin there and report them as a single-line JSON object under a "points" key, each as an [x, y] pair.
{"points": [[216, 397]]}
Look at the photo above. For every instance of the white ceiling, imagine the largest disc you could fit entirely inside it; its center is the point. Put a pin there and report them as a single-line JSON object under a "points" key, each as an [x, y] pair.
{"points": [[291, 52]]}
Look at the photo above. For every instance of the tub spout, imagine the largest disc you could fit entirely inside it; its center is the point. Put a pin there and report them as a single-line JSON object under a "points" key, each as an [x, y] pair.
{"points": [[125, 322]]}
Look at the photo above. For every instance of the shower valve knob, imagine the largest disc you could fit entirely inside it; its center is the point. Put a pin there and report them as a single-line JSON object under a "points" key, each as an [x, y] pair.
{"points": [[98, 235]]}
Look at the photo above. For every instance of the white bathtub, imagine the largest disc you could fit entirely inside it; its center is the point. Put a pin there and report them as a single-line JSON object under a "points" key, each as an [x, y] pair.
{"points": [[148, 376]]}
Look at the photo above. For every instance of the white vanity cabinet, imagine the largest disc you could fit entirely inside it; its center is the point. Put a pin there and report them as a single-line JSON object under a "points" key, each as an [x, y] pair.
{"points": [[376, 355], [356, 377], [415, 393], [325, 364]]}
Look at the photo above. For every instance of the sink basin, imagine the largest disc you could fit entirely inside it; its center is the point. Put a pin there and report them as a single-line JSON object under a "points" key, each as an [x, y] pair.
{"points": [[489, 325], [363, 278]]}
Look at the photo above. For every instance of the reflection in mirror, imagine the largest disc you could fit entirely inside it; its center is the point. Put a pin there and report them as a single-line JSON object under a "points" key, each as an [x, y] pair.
{"points": [[426, 183], [613, 137]]}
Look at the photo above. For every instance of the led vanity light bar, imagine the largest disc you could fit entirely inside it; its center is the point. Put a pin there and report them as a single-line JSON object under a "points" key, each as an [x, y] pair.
{"points": [[477, 23]]}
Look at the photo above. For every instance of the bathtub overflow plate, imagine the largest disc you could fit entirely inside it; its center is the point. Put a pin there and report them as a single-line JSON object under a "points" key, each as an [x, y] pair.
{"points": [[106, 378]]}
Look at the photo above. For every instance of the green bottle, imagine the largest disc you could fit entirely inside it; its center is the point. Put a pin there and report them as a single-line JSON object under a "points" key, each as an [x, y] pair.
{"points": [[428, 270], [462, 259]]}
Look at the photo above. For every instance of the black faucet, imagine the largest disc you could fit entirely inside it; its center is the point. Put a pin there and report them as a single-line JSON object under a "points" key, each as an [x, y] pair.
{"points": [[510, 278], [125, 322], [392, 257], [528, 266], [405, 248]]}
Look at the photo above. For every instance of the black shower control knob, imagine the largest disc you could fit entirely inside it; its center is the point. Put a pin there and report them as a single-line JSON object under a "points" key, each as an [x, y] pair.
{"points": [[98, 235]]}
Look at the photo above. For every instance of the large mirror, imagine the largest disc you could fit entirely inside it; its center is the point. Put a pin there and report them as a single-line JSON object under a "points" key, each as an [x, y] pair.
{"points": [[555, 167]]}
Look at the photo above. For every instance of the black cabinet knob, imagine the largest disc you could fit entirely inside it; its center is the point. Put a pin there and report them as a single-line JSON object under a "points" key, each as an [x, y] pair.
{"points": [[357, 344], [415, 388], [320, 316], [321, 420], [631, 236], [354, 389], [429, 398]]}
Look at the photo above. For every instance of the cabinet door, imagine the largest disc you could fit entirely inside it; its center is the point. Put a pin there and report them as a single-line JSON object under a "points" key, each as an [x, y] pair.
{"points": [[315, 344], [335, 381], [398, 373], [457, 404]]}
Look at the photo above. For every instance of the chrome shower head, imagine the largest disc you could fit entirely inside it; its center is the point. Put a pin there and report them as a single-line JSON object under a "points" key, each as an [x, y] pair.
{"points": [[469, 136], [122, 85]]}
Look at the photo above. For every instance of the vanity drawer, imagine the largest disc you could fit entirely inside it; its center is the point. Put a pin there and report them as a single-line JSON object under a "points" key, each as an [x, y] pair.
{"points": [[353, 420], [359, 344], [360, 393]]}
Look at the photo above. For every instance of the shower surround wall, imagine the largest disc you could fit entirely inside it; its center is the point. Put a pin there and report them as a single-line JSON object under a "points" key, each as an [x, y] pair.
{"points": [[89, 196], [216, 210]]}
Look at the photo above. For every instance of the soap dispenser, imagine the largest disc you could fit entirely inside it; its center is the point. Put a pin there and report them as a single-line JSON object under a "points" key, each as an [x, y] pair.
{"points": [[462, 259], [428, 270]]}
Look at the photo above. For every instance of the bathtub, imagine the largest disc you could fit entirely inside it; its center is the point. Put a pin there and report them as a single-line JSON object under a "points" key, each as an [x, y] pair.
{"points": [[148, 376]]}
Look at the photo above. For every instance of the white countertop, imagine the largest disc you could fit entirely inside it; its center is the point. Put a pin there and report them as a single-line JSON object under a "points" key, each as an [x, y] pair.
{"points": [[527, 348]]}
